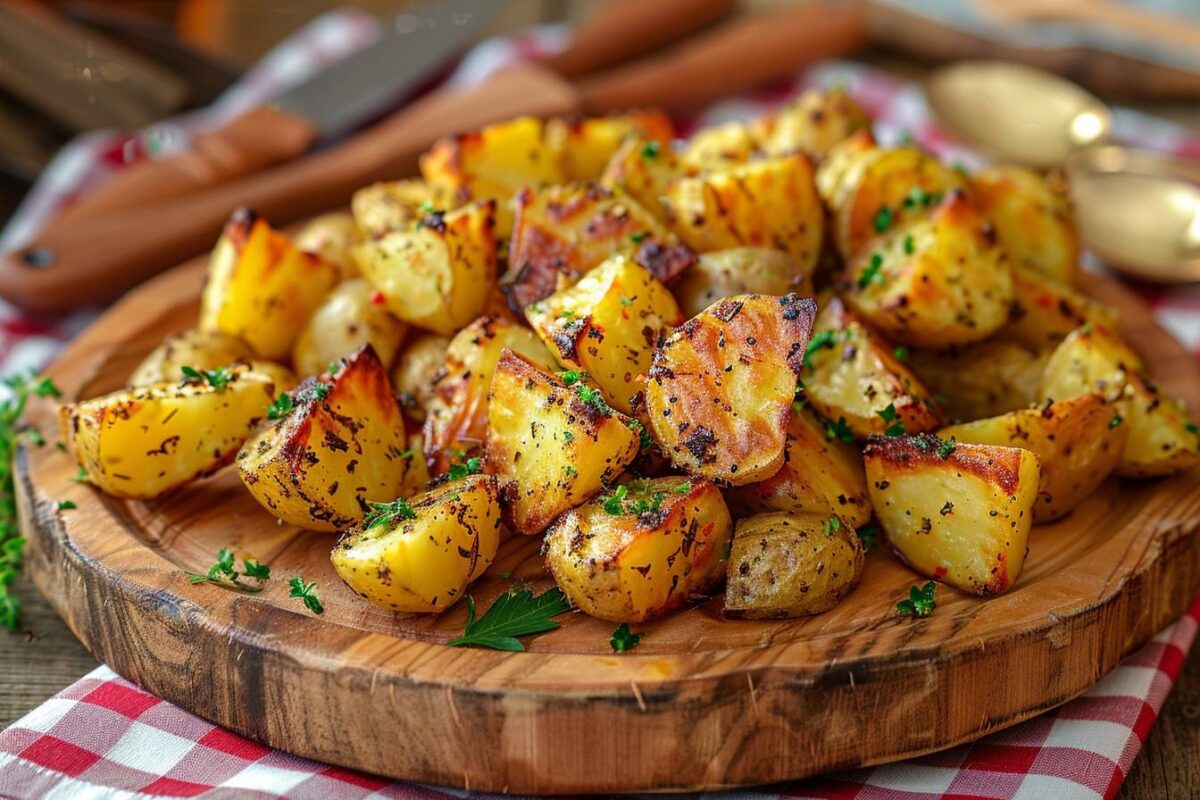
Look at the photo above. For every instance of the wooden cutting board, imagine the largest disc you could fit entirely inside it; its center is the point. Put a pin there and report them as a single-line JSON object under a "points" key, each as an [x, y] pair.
{"points": [[702, 703]]}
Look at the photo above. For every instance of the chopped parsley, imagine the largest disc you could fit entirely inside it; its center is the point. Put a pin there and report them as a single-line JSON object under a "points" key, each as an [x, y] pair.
{"points": [[1191, 428], [66, 505], [517, 612], [282, 406], [461, 469], [216, 378], [623, 640], [819, 340], [321, 390], [639, 237], [591, 397], [920, 602], [909, 247], [683, 488], [224, 572], [426, 207], [644, 438], [831, 526], [651, 150], [626, 301], [307, 593], [571, 377], [638, 502], [388, 513], [946, 448], [883, 219], [871, 274], [839, 430], [868, 535], [901, 353], [1116, 420], [889, 415]]}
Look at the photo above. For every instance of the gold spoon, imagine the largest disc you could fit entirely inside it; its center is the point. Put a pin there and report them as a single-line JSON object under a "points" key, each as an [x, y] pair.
{"points": [[1137, 209]]}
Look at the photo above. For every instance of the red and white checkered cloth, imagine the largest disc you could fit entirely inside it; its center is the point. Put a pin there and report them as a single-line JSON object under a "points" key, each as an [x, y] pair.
{"points": [[104, 738]]}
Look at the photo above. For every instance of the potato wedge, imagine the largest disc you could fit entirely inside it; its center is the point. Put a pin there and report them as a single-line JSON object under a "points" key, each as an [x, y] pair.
{"points": [[1079, 442], [643, 549], [1090, 360], [380, 208], [983, 380], [261, 288], [719, 393], [352, 315], [440, 275], [417, 368], [561, 232], [331, 236], [144, 442], [642, 168], [957, 513], [935, 283], [608, 325], [768, 203], [1032, 218], [202, 350], [552, 446], [852, 377], [586, 145], [457, 412], [339, 448], [1043, 311], [742, 270], [1162, 437], [819, 476], [418, 556], [813, 123], [791, 564], [719, 147]]}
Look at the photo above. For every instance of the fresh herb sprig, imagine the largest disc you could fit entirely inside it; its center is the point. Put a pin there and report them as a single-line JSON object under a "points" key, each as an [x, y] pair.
{"points": [[623, 640], [224, 572], [920, 602], [282, 406], [468, 466], [517, 612], [307, 593], [895, 424], [216, 378], [388, 513]]}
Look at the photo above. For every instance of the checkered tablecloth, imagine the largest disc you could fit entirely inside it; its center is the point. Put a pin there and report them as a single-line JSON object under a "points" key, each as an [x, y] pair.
{"points": [[103, 737]]}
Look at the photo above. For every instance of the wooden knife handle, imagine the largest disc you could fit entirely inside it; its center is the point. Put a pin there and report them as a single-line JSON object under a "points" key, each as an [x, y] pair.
{"points": [[98, 257], [736, 57], [255, 140]]}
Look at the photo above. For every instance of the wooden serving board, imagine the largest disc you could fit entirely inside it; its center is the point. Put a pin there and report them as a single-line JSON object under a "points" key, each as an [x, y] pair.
{"points": [[702, 703]]}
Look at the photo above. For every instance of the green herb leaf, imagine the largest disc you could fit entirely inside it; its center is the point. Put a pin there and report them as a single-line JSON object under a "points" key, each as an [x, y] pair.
{"points": [[253, 568], [871, 273], [216, 378], [831, 526], [626, 301], [591, 397], [868, 535], [839, 430], [896, 428], [388, 513], [883, 219], [639, 237], [819, 340], [472, 466], [570, 377], [901, 353], [282, 406], [909, 247], [651, 150], [321, 390], [945, 449], [515, 613], [66, 505], [683, 488], [1116, 420], [307, 592], [920, 602], [623, 640]]}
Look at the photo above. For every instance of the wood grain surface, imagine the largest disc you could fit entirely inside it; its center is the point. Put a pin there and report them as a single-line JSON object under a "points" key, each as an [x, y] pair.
{"points": [[702, 703]]}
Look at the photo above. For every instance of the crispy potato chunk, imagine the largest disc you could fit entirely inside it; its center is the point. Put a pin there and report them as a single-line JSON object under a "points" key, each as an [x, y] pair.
{"points": [[812, 123], [586, 145], [934, 283], [352, 315], [561, 232], [983, 380], [457, 413], [144, 442], [492, 164], [340, 448], [439, 275], [719, 147], [642, 550], [791, 564], [958, 513], [418, 556], [852, 377], [331, 236], [608, 325], [389, 206], [1032, 219], [1043, 312], [416, 370], [769, 203], [719, 393], [819, 476], [742, 270], [642, 169], [202, 350], [553, 446], [262, 289], [1079, 442]]}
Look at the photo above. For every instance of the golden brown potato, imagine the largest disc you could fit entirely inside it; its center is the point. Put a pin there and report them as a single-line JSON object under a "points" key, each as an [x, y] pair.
{"points": [[553, 446], [144, 442], [262, 289], [1090, 360], [389, 206], [1043, 312], [331, 236], [791, 564], [457, 412], [935, 283], [1032, 219], [819, 476], [742, 270], [854, 380], [642, 168], [418, 555], [561, 232], [957, 513], [352, 315], [338, 447], [983, 380], [844, 156], [641, 550], [439, 275], [416, 369], [720, 390], [1079, 442], [608, 325], [202, 350], [768, 203], [812, 123], [719, 147], [586, 145]]}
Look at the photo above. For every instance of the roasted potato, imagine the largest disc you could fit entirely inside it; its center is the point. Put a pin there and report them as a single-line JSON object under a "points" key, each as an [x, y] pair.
{"points": [[561, 232], [719, 147], [1079, 442], [935, 283], [553, 446], [812, 123], [720, 390], [957, 513], [642, 168], [419, 555], [819, 476], [742, 270], [339, 446], [768, 203], [439, 275], [852, 378], [416, 370], [1043, 311], [608, 325], [791, 564], [332, 237], [492, 164], [1032, 218], [144, 442], [457, 411], [986, 379], [586, 145], [352, 315], [389, 206], [261, 288], [202, 350], [641, 550]]}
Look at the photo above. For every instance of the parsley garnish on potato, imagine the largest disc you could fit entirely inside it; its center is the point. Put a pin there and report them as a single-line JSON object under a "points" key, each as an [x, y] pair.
{"points": [[216, 378]]}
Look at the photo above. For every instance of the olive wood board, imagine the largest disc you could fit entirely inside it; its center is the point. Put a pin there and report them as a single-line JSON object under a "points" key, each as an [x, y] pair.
{"points": [[702, 703]]}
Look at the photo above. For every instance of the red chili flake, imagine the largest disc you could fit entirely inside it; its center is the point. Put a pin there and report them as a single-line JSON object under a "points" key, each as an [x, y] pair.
{"points": [[378, 299]]}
